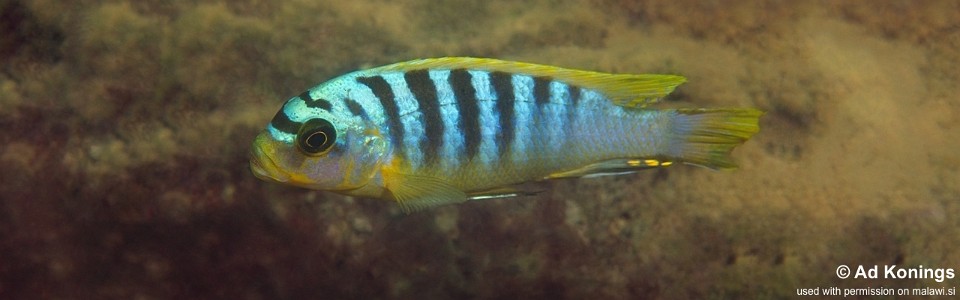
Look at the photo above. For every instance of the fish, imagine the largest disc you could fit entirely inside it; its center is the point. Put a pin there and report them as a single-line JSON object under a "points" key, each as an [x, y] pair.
{"points": [[430, 132]]}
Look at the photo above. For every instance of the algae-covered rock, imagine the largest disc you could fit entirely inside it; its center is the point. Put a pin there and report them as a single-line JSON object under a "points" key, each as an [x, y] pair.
{"points": [[126, 128]]}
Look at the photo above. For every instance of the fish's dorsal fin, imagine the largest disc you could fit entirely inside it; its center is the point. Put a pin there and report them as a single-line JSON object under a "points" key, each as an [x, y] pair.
{"points": [[612, 167], [628, 90], [415, 193]]}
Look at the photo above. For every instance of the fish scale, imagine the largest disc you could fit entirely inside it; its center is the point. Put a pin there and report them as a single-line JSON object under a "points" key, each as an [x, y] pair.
{"points": [[435, 131]]}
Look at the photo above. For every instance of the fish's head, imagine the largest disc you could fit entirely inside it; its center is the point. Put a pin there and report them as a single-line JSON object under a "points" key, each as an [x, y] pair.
{"points": [[321, 152]]}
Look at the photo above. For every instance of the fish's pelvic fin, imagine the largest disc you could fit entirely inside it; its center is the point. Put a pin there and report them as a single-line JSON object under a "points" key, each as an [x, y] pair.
{"points": [[498, 193], [628, 90], [705, 137], [612, 167], [415, 193]]}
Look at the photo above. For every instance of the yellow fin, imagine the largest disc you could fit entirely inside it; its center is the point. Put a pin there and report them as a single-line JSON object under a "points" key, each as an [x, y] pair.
{"points": [[612, 167], [706, 136], [628, 90], [416, 193]]}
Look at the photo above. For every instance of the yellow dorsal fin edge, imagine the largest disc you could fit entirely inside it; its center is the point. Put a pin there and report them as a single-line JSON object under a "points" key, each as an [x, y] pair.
{"points": [[629, 90]]}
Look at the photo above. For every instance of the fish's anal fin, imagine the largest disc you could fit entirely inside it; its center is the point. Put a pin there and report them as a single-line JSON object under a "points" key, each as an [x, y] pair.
{"points": [[499, 193], [627, 90], [612, 167], [415, 193]]}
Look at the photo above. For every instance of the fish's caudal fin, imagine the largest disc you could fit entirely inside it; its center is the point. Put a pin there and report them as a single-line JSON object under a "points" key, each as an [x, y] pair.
{"points": [[705, 137]]}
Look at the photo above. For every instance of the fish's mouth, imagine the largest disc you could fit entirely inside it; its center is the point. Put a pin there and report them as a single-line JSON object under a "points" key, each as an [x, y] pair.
{"points": [[259, 171], [263, 167]]}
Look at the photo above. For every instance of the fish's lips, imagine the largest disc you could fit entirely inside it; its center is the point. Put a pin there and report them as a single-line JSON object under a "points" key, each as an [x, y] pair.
{"points": [[258, 170], [263, 167], [266, 171]]}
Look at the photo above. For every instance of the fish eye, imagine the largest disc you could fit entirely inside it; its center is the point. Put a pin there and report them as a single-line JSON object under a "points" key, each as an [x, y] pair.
{"points": [[316, 137]]}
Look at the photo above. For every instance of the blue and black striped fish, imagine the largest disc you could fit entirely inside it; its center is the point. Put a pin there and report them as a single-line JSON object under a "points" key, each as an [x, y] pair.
{"points": [[446, 130]]}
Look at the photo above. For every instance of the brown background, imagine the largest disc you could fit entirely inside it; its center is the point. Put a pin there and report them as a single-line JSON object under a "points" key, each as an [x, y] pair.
{"points": [[125, 128]]}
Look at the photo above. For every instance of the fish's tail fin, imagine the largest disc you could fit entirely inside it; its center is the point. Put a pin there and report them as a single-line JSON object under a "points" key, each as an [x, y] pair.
{"points": [[705, 137]]}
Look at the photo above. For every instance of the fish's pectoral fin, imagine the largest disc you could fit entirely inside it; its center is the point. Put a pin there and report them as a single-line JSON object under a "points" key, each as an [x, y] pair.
{"points": [[499, 193], [415, 193], [627, 90], [612, 167]]}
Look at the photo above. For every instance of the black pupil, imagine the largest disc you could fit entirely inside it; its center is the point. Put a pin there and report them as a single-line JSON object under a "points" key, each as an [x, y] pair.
{"points": [[316, 139], [316, 136]]}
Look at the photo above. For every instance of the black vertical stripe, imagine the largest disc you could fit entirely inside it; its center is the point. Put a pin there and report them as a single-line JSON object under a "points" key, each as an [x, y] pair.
{"points": [[574, 94], [425, 91], [541, 90], [321, 103], [355, 108], [466, 96], [311, 103], [283, 123], [305, 96], [503, 84], [382, 90]]}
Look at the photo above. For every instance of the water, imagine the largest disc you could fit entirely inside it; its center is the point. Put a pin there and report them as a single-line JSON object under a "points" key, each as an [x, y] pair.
{"points": [[127, 127]]}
